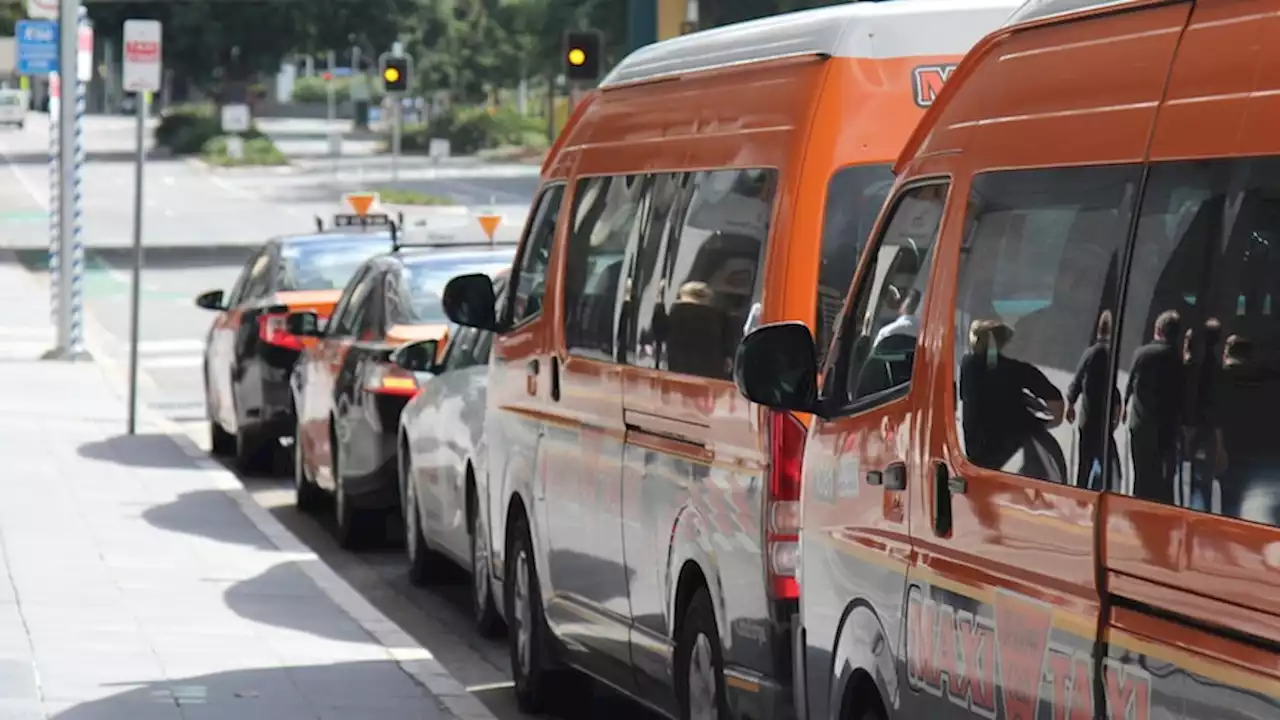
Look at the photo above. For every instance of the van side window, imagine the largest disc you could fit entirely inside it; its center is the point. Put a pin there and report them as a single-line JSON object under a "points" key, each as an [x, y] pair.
{"points": [[605, 216], [1200, 358], [650, 268], [713, 284], [877, 345], [1035, 312], [854, 198], [529, 279]]}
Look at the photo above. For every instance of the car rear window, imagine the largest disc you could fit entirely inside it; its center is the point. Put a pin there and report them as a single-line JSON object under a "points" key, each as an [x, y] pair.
{"points": [[854, 198], [426, 278], [325, 265]]}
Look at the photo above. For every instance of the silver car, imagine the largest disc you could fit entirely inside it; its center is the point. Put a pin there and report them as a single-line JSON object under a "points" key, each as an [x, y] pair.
{"points": [[440, 444]]}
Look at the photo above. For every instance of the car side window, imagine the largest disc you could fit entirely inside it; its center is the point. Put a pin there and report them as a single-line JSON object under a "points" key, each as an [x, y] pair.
{"points": [[530, 276], [1034, 314], [349, 305], [1199, 364], [712, 285], [395, 303], [461, 349], [366, 320], [260, 275], [606, 211], [876, 345], [237, 294]]}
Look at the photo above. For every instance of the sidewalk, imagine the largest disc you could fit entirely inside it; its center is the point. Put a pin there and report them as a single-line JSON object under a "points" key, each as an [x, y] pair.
{"points": [[139, 581]]}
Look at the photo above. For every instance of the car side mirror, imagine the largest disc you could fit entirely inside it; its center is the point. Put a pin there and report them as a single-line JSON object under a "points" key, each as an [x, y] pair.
{"points": [[469, 301], [777, 366], [211, 300], [418, 357], [303, 324]]}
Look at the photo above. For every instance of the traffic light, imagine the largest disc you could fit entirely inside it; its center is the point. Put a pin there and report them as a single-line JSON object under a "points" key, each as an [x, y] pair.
{"points": [[395, 74], [583, 54]]}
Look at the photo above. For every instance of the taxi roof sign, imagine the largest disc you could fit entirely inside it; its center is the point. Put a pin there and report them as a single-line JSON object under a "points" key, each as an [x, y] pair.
{"points": [[489, 224], [361, 202]]}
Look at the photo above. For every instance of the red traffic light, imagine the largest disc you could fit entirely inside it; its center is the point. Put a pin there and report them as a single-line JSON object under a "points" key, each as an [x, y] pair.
{"points": [[328, 76]]}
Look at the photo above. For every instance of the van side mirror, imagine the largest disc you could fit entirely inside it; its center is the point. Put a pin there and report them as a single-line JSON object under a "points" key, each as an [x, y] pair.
{"points": [[418, 357], [469, 301], [777, 366], [211, 300], [303, 324]]}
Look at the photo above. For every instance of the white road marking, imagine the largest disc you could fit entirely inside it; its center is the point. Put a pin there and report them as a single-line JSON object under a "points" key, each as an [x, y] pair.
{"points": [[169, 363]]}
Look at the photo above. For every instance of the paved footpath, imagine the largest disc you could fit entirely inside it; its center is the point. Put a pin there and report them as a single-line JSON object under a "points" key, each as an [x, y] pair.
{"points": [[139, 581]]}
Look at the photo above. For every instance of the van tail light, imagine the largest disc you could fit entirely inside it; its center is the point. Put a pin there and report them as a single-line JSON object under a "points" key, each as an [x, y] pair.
{"points": [[388, 379], [782, 511], [272, 331]]}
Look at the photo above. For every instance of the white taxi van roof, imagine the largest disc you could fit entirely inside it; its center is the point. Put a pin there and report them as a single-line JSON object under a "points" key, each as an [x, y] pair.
{"points": [[1032, 10], [873, 30]]}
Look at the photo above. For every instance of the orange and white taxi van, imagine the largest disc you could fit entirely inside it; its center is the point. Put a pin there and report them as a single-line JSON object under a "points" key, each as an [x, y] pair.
{"points": [[640, 512], [1055, 493]]}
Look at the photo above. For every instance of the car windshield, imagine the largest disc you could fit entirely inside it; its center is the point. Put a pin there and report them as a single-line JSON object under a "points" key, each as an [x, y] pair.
{"points": [[326, 265], [426, 278]]}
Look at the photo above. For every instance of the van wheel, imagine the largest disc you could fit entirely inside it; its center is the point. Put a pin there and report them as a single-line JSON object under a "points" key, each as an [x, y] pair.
{"points": [[529, 639], [700, 663], [488, 622]]}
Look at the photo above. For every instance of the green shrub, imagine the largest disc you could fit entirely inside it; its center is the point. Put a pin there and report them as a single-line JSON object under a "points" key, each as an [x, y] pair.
{"points": [[315, 90], [185, 129], [257, 151], [472, 129]]}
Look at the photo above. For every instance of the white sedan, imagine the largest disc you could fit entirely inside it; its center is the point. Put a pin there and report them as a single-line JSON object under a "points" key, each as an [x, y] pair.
{"points": [[440, 441]]}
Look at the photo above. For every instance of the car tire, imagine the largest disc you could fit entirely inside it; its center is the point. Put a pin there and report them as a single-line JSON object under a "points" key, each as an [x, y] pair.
{"points": [[351, 524], [307, 495], [483, 609], [699, 663], [529, 641], [424, 564]]}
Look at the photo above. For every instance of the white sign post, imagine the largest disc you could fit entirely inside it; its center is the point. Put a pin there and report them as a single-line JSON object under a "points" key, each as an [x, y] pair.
{"points": [[235, 120], [141, 75], [42, 9], [84, 52]]}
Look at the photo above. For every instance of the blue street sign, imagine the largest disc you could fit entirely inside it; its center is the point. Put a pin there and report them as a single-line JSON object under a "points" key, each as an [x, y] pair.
{"points": [[37, 47]]}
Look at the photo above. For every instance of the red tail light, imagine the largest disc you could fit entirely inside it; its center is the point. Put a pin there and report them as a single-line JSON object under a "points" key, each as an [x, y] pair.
{"points": [[272, 331], [388, 379], [782, 531]]}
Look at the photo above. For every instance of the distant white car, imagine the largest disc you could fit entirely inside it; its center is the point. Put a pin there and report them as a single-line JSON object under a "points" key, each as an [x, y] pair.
{"points": [[13, 107], [441, 436]]}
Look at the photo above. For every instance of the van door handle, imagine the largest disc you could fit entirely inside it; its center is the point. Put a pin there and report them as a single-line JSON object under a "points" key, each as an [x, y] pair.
{"points": [[945, 485], [895, 476]]}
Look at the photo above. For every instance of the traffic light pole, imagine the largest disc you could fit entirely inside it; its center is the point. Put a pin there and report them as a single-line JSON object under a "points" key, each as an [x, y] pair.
{"points": [[397, 99]]}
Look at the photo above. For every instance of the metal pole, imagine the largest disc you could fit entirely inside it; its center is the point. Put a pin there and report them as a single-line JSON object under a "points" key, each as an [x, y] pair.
{"points": [[395, 138], [68, 39], [135, 299], [55, 204], [77, 231]]}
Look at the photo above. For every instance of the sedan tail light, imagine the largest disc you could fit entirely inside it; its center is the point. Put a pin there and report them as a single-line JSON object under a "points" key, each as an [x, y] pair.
{"points": [[272, 330], [388, 379]]}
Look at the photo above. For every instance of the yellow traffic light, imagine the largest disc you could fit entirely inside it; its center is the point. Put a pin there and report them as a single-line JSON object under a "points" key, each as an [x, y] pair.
{"points": [[390, 74], [577, 57]]}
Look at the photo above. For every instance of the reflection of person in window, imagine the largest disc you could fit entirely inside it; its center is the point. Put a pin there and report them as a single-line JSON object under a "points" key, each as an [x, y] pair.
{"points": [[1249, 444], [1091, 387], [1203, 455], [696, 333], [906, 324], [1003, 399], [1153, 408]]}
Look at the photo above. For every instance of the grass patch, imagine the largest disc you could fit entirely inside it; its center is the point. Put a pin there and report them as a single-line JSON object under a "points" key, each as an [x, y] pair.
{"points": [[400, 196], [258, 151]]}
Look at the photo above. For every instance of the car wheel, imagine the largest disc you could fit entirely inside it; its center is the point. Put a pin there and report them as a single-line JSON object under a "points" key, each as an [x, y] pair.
{"points": [[529, 641], [351, 523], [700, 663], [483, 609], [424, 565], [306, 495]]}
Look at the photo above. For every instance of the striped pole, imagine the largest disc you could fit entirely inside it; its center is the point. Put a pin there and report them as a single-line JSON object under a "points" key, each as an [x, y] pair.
{"points": [[55, 198], [76, 343]]}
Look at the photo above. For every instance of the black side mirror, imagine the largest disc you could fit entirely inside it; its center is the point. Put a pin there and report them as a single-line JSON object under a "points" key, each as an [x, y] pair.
{"points": [[419, 357], [211, 300], [303, 324], [469, 301], [777, 366]]}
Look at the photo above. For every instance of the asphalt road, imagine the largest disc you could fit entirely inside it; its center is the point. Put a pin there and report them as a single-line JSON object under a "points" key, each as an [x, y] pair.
{"points": [[172, 331]]}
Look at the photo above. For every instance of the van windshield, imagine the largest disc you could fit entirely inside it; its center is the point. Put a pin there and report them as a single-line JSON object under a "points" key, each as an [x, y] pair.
{"points": [[854, 198]]}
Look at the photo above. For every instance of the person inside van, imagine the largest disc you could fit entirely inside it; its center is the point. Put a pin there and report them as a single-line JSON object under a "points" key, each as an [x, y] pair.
{"points": [[1153, 408], [906, 324], [1005, 402], [695, 333], [1098, 416]]}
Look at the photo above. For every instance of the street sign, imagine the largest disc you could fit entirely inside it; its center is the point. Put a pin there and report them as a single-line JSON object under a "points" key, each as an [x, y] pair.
{"points": [[42, 9], [439, 148], [84, 53], [235, 118], [142, 55], [37, 47]]}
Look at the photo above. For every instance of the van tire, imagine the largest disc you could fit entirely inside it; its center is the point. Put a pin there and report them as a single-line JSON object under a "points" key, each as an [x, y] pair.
{"points": [[699, 662], [528, 641]]}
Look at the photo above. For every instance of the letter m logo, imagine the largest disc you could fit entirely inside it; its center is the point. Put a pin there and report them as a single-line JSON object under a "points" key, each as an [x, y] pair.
{"points": [[928, 81]]}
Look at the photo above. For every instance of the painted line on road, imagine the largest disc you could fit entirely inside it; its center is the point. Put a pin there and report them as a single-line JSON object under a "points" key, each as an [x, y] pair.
{"points": [[238, 191], [418, 661], [41, 196]]}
